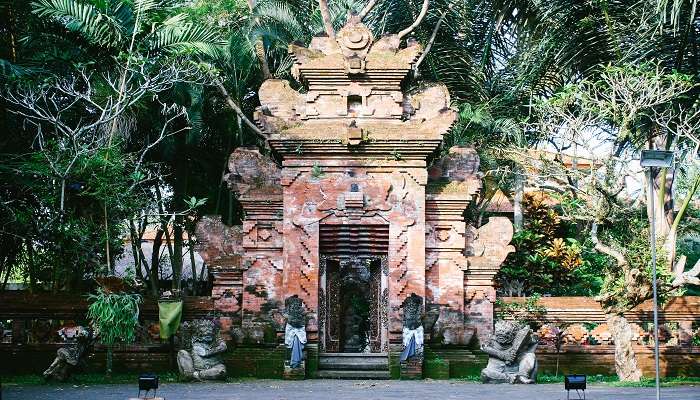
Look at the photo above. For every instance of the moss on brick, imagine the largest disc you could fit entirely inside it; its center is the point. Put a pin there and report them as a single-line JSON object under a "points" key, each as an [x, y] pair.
{"points": [[311, 361], [464, 369], [436, 369], [461, 362], [255, 362], [394, 365]]}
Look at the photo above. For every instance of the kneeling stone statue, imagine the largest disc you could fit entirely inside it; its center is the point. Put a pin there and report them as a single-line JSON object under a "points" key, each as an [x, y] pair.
{"points": [[70, 356], [200, 360], [511, 353]]}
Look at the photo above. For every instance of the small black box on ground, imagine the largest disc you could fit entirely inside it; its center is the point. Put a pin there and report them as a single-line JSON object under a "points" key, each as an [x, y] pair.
{"points": [[148, 382], [575, 382]]}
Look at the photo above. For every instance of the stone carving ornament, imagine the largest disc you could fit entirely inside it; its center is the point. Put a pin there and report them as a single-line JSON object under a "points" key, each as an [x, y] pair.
{"points": [[354, 41], [511, 353], [201, 361]]}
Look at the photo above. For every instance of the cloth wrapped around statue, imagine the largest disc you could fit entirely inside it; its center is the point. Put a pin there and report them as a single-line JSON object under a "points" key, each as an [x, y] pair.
{"points": [[412, 343], [295, 339], [511, 353], [201, 361]]}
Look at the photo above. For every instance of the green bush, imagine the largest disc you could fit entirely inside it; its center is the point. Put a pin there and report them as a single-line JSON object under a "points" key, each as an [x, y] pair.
{"points": [[114, 317]]}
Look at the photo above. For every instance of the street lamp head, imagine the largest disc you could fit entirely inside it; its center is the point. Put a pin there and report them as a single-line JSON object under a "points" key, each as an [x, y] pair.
{"points": [[656, 158]]}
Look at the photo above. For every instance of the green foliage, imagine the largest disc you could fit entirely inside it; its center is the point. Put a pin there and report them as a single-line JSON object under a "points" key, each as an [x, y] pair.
{"points": [[623, 291], [316, 171], [194, 203], [477, 125], [549, 258], [528, 312], [67, 244], [113, 24], [114, 315]]}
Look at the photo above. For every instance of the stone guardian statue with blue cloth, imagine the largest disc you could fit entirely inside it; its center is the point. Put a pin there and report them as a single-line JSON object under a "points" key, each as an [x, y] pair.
{"points": [[295, 330]]}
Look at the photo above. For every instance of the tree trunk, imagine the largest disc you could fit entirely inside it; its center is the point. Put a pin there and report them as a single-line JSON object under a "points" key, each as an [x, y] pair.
{"points": [[260, 47], [518, 202], [63, 195], [164, 222], [31, 266], [177, 253], [179, 191], [8, 271], [663, 200], [136, 249], [326, 17], [193, 265], [110, 265], [670, 241], [110, 351], [155, 262], [625, 357]]}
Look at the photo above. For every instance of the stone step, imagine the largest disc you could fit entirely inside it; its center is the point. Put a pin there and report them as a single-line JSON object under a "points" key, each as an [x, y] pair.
{"points": [[354, 355], [354, 365], [341, 374]]}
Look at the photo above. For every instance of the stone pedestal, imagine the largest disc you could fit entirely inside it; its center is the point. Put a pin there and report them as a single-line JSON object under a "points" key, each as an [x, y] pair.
{"points": [[412, 368], [295, 374]]}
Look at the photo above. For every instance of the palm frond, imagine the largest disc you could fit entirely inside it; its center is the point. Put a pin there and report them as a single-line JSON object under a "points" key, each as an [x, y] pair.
{"points": [[94, 25], [280, 17], [676, 11], [177, 36]]}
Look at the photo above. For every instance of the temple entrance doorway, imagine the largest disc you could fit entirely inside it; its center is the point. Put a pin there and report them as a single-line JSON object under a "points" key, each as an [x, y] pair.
{"points": [[353, 279]]}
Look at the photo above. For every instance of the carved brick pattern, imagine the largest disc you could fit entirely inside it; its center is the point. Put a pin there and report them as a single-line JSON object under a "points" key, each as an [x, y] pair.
{"points": [[227, 290], [385, 307], [400, 256], [322, 316]]}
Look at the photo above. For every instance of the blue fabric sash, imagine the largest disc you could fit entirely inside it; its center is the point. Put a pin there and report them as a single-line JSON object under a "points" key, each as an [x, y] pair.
{"points": [[297, 353], [410, 350]]}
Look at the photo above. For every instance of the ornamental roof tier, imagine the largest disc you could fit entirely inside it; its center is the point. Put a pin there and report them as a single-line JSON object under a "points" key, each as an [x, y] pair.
{"points": [[352, 99]]}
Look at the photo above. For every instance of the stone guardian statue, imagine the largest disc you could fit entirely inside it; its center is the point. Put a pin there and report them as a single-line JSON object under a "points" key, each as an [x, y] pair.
{"points": [[295, 330], [412, 328], [71, 355], [200, 361], [511, 351]]}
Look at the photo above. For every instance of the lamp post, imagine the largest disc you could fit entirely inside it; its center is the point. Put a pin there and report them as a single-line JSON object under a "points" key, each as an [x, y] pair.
{"points": [[655, 159]]}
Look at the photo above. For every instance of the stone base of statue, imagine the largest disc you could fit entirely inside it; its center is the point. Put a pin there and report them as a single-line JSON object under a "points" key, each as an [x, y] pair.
{"points": [[187, 369], [412, 368], [296, 373], [522, 370]]}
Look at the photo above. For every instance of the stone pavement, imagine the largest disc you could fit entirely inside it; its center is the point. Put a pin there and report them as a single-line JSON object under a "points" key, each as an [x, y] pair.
{"points": [[341, 390]]}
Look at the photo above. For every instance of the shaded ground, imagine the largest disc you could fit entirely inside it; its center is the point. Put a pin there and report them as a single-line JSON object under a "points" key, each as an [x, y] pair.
{"points": [[341, 390]]}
